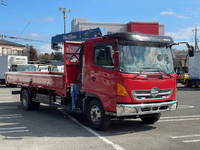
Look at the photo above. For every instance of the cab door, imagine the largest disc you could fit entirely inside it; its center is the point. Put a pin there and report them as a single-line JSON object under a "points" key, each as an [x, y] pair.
{"points": [[101, 74]]}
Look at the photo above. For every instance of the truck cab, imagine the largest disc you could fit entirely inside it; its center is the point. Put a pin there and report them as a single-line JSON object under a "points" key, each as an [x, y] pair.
{"points": [[125, 75]]}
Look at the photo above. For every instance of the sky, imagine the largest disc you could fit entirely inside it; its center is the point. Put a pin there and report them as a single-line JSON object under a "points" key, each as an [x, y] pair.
{"points": [[41, 19]]}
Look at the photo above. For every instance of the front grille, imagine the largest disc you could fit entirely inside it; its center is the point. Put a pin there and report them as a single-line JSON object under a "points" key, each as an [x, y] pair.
{"points": [[146, 109], [147, 95]]}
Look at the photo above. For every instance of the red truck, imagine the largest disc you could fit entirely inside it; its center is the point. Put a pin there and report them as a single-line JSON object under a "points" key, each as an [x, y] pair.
{"points": [[114, 76]]}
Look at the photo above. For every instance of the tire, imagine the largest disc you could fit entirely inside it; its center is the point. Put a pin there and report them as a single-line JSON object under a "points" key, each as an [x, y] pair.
{"points": [[150, 119], [26, 101], [188, 83], [96, 116]]}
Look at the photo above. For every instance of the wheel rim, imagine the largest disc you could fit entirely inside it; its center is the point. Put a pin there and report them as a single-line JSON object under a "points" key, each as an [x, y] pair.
{"points": [[95, 114]]}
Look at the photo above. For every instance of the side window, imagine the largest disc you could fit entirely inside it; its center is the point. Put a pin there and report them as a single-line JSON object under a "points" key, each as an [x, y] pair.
{"points": [[103, 56]]}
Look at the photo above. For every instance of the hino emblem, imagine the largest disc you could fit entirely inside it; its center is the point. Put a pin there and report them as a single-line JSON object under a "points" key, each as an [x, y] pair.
{"points": [[154, 92]]}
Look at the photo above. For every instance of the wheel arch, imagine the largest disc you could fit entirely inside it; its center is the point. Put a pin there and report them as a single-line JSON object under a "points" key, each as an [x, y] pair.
{"points": [[88, 98], [30, 91], [22, 89]]}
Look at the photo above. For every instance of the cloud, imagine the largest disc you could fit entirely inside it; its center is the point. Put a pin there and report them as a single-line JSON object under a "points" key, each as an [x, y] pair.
{"points": [[39, 19], [45, 48], [183, 17], [35, 35], [182, 35], [185, 34], [172, 13], [155, 19], [48, 19], [165, 13]]}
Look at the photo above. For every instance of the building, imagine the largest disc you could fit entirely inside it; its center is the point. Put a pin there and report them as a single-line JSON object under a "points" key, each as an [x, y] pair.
{"points": [[10, 48], [81, 24]]}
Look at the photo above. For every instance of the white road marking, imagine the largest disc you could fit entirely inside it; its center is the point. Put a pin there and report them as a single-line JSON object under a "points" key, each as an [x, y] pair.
{"points": [[2, 97], [5, 101], [11, 116], [13, 131], [177, 117], [115, 146], [8, 124], [5, 94], [185, 106], [5, 91], [171, 120], [185, 136], [13, 128], [188, 136], [191, 141]]}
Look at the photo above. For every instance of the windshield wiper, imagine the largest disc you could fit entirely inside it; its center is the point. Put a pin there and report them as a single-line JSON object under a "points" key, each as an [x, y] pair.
{"points": [[151, 68], [159, 70], [141, 70], [168, 74]]}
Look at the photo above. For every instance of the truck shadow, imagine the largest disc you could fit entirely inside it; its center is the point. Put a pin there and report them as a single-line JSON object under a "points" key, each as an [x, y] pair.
{"points": [[49, 122], [127, 127], [8, 87], [122, 126]]}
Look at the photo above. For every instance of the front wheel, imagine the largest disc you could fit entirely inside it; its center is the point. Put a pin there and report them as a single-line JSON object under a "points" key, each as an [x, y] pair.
{"points": [[150, 119], [96, 116]]}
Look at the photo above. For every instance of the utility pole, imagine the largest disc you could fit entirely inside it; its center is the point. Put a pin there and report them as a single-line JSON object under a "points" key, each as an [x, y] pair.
{"points": [[196, 47], [64, 11]]}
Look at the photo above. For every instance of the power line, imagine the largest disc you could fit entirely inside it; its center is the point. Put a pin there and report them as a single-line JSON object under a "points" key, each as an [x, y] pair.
{"points": [[3, 2], [26, 26], [21, 38]]}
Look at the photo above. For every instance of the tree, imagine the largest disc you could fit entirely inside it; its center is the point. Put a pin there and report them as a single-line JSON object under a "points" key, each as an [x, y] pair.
{"points": [[52, 56], [31, 52], [58, 56], [45, 56], [33, 55]]}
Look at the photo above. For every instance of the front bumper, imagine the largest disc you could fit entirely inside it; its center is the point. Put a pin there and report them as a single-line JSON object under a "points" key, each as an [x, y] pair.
{"points": [[141, 109]]}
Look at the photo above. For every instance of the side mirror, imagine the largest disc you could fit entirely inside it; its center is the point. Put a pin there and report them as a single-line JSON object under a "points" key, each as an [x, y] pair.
{"points": [[190, 51]]}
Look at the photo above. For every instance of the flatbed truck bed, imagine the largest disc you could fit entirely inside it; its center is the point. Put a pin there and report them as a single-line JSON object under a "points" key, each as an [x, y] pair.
{"points": [[45, 80]]}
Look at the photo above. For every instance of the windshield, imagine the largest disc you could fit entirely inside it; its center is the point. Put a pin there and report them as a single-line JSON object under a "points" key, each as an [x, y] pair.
{"points": [[145, 59], [26, 68]]}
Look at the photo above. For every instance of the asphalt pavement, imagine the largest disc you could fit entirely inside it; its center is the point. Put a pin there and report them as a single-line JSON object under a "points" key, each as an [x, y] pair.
{"points": [[51, 129]]}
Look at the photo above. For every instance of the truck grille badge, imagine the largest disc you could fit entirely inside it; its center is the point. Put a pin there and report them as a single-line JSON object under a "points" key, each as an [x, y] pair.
{"points": [[152, 94]]}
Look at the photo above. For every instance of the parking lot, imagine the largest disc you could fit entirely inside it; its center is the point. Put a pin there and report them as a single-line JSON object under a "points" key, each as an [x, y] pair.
{"points": [[50, 129]]}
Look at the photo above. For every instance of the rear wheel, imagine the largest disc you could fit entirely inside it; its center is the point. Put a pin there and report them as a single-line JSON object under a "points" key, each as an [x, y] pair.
{"points": [[26, 101], [150, 119], [188, 83], [96, 116]]}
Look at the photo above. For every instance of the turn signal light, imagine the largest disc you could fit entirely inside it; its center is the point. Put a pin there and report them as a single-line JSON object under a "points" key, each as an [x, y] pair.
{"points": [[121, 90]]}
